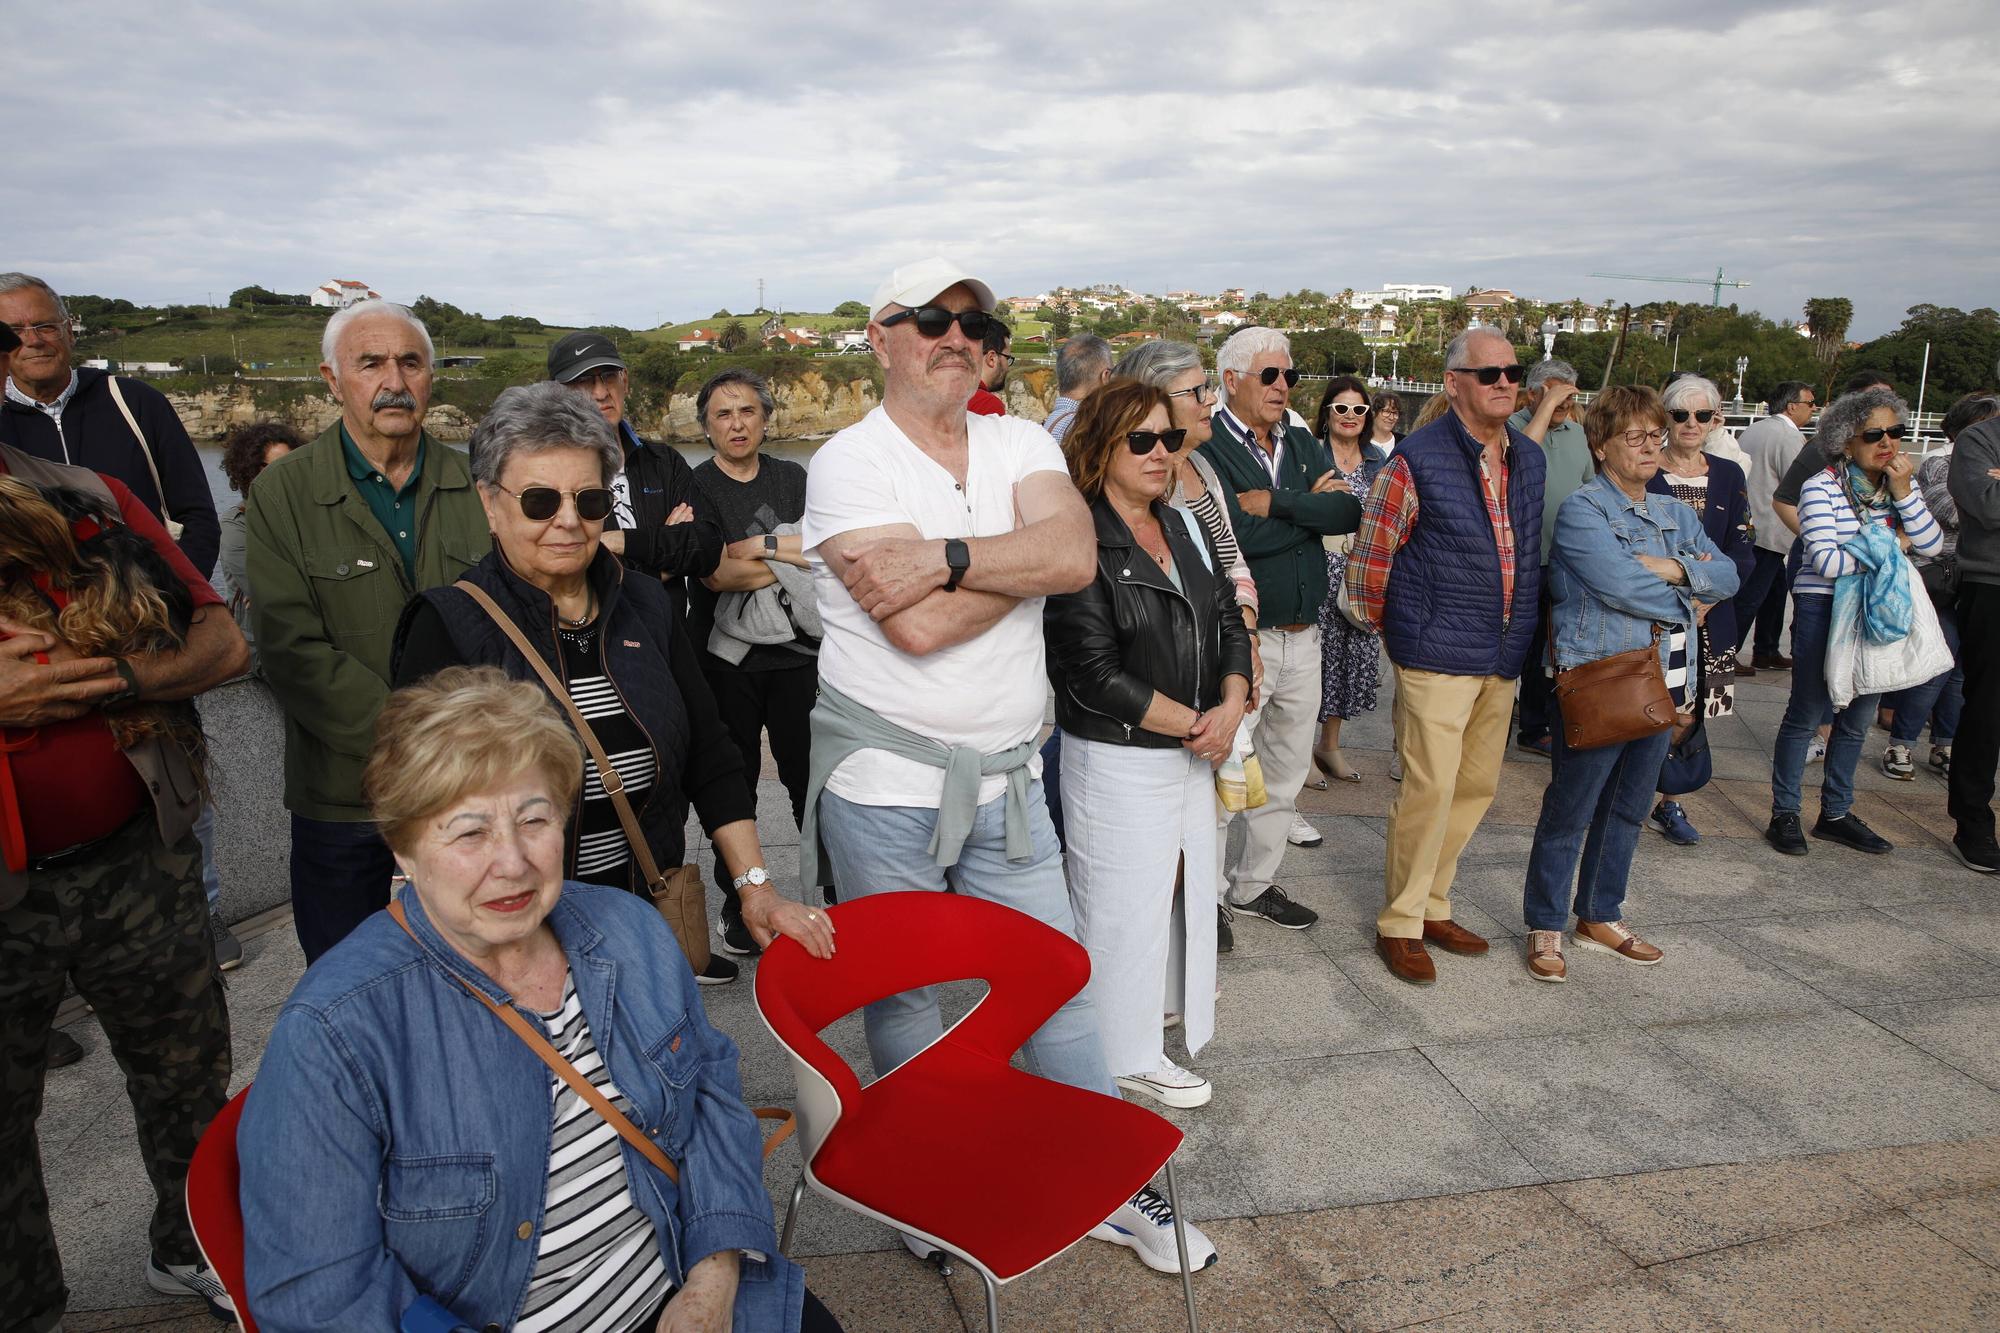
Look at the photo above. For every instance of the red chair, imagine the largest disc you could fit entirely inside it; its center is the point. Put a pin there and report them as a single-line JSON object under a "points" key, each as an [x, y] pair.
{"points": [[955, 1146], [213, 1207]]}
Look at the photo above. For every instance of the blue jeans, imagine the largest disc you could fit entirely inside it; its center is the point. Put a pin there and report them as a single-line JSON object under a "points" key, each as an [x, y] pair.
{"points": [[1811, 704], [1052, 781], [1594, 806], [881, 849], [340, 878], [1938, 700]]}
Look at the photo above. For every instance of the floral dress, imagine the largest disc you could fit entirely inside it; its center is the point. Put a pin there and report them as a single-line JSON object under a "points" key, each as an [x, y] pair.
{"points": [[1350, 659]]}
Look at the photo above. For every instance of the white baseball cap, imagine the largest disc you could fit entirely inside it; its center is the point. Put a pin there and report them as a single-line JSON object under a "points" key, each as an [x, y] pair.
{"points": [[924, 281]]}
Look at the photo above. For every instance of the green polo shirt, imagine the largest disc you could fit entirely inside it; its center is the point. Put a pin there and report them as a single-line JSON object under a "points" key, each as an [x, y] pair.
{"points": [[1569, 468], [395, 510]]}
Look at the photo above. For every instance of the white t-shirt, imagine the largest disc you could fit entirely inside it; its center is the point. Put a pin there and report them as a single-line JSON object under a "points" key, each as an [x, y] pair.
{"points": [[987, 693]]}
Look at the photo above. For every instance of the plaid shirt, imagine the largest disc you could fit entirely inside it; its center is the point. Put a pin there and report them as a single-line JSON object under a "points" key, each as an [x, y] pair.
{"points": [[1387, 519]]}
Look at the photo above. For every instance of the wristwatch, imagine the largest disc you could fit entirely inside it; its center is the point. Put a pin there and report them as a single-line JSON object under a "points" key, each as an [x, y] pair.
{"points": [[770, 543], [754, 877], [958, 559]]}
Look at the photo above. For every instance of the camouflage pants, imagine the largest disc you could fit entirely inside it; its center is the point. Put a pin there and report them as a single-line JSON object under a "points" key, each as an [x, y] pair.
{"points": [[130, 927]]}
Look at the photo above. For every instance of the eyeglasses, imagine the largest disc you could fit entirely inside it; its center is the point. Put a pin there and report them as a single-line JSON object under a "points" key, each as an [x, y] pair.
{"points": [[1348, 409], [1704, 416], [539, 504], [1489, 374], [933, 321], [1639, 439], [1203, 394], [1874, 435], [29, 332], [1007, 357], [1141, 442], [1269, 376]]}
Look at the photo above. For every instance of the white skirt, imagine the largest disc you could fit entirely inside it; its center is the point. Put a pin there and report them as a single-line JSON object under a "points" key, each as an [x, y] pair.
{"points": [[1132, 817]]}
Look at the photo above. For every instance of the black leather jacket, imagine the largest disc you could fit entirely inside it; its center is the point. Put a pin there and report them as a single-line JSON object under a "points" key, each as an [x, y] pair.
{"points": [[1131, 632]]}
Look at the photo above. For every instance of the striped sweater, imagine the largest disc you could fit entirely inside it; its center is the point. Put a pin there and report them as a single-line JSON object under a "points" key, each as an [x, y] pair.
{"points": [[1827, 522]]}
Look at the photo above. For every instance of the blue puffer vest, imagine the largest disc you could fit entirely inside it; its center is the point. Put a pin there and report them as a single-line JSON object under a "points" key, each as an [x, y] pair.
{"points": [[1443, 608]]}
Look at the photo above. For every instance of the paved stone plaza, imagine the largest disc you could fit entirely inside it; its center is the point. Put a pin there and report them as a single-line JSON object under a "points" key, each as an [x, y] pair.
{"points": [[1793, 1122]]}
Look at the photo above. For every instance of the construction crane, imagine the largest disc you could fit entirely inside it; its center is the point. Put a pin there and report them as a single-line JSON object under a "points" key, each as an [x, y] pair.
{"points": [[1715, 284]]}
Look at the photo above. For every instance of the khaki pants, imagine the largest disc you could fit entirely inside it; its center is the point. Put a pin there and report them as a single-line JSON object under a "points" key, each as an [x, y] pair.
{"points": [[1451, 734]]}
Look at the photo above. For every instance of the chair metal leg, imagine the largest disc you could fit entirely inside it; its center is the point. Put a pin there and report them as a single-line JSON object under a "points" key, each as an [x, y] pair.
{"points": [[792, 1215], [1180, 1243], [992, 1304]]}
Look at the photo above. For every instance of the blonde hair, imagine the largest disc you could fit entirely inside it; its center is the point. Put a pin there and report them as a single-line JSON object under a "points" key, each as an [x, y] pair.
{"points": [[463, 730], [1438, 405]]}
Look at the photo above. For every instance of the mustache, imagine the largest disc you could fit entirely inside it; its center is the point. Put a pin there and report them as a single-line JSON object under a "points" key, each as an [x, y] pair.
{"points": [[389, 398]]}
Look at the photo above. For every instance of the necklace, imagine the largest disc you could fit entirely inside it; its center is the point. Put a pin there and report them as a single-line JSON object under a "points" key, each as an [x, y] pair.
{"points": [[589, 613]]}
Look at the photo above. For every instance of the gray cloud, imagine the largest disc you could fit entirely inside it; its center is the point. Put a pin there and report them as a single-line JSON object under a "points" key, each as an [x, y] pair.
{"points": [[634, 163]]}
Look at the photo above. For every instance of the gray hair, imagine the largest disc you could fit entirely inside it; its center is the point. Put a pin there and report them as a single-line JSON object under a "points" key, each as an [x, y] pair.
{"points": [[531, 419], [749, 379], [15, 282], [1549, 369], [1847, 414], [1080, 360], [1246, 345], [329, 341], [1158, 363], [1460, 348], [1691, 392]]}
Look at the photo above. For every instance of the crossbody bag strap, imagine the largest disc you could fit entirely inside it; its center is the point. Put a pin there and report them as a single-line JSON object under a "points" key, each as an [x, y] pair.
{"points": [[564, 1070], [145, 445], [614, 785]]}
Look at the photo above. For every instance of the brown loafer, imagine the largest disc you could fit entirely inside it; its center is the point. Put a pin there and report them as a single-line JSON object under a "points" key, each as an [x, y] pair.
{"points": [[1617, 938], [1454, 938], [1407, 960]]}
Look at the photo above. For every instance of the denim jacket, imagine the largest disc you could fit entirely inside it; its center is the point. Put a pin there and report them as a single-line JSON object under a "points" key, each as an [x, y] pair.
{"points": [[395, 1145], [1602, 600]]}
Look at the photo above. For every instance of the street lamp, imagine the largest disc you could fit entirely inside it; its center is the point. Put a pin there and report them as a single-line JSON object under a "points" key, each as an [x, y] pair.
{"points": [[1394, 354], [1371, 361], [1742, 368], [1548, 339]]}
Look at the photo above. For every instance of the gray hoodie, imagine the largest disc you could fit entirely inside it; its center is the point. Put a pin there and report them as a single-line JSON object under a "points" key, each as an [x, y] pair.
{"points": [[1977, 492]]}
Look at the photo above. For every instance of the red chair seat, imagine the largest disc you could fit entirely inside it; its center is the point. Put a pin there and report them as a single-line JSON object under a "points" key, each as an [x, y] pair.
{"points": [[970, 1138]]}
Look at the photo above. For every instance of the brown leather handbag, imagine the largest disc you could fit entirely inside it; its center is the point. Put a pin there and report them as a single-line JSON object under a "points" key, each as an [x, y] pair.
{"points": [[680, 897], [1614, 699]]}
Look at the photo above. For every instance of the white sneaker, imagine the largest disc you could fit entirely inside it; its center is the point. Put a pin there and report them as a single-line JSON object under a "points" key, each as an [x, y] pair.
{"points": [[1302, 835], [195, 1279], [1170, 1084], [1145, 1225], [1815, 749]]}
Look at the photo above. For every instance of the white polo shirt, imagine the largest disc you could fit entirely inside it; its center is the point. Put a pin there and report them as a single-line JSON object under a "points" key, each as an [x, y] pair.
{"points": [[987, 693]]}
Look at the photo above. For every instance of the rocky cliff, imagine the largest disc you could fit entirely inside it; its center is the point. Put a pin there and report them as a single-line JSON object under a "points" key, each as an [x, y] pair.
{"points": [[213, 413]]}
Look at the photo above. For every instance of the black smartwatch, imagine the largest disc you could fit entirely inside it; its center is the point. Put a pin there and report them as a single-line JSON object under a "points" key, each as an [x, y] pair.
{"points": [[958, 559], [770, 543]]}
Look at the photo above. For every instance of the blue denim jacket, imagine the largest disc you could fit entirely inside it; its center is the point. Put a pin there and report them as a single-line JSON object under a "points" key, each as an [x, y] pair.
{"points": [[1602, 600], [395, 1145]]}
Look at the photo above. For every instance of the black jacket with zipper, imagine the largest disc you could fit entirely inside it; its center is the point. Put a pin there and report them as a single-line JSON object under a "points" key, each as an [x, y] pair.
{"points": [[661, 480], [1131, 632], [646, 656]]}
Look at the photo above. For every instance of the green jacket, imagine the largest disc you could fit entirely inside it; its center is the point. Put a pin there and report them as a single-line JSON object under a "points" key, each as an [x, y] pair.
{"points": [[327, 587], [1284, 550]]}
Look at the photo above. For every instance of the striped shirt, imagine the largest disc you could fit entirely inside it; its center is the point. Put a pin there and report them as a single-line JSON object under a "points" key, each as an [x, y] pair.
{"points": [[602, 854], [1827, 522], [598, 1267], [1214, 520]]}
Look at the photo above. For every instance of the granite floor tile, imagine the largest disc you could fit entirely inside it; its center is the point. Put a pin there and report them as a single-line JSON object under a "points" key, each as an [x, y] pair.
{"points": [[1835, 1080], [1604, 1103], [1629, 1303], [1351, 1129], [1919, 1172], [1282, 1008], [1255, 1284], [1970, 1221], [1395, 1264], [1873, 1273], [1704, 976], [158, 1316], [1962, 1033], [894, 1292], [1865, 957], [1672, 1214], [1478, 999], [1964, 912]]}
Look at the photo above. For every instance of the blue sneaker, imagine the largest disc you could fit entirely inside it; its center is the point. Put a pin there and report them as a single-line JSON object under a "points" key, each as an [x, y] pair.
{"points": [[1671, 822]]}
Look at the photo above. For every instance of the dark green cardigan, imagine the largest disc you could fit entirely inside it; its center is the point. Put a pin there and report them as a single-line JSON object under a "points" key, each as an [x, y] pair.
{"points": [[1284, 550]]}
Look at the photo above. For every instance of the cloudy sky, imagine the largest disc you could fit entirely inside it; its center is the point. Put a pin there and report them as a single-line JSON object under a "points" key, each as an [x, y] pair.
{"points": [[637, 163]]}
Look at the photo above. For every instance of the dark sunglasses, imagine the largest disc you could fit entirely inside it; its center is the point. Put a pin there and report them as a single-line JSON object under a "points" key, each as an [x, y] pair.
{"points": [[1141, 442], [1348, 409], [1704, 416], [934, 320], [539, 504], [1489, 374], [1269, 376], [1875, 435]]}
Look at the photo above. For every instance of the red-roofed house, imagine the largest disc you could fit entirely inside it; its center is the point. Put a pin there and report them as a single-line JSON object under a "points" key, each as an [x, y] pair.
{"points": [[340, 293], [698, 339]]}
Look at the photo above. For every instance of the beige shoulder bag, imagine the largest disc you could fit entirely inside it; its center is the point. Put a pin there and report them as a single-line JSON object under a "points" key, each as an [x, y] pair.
{"points": [[174, 526]]}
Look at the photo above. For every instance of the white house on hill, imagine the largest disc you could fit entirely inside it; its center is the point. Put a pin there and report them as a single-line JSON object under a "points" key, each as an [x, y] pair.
{"points": [[340, 293]]}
